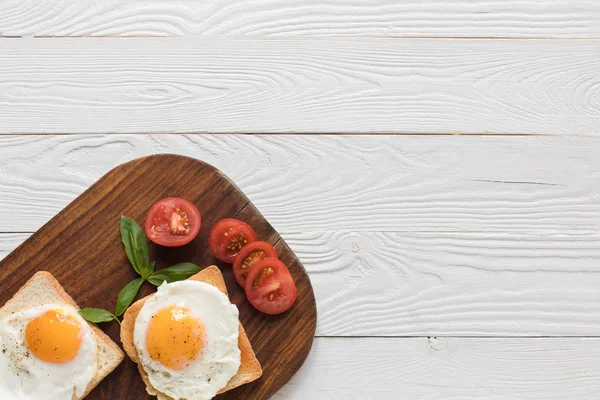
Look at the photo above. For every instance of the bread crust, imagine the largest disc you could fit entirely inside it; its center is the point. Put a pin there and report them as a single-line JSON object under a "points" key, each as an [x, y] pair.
{"points": [[43, 288], [250, 368]]}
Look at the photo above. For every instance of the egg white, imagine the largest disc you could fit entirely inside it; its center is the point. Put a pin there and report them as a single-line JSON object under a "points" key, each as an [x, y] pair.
{"points": [[220, 357], [25, 377]]}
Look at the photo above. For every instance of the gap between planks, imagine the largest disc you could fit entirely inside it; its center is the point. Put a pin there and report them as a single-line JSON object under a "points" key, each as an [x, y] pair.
{"points": [[8, 134], [394, 37], [453, 337]]}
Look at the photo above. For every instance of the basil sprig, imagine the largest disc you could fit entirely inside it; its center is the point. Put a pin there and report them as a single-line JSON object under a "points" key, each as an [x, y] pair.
{"points": [[136, 248]]}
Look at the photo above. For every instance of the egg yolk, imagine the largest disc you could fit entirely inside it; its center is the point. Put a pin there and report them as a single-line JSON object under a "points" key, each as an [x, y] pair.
{"points": [[54, 336], [174, 337]]}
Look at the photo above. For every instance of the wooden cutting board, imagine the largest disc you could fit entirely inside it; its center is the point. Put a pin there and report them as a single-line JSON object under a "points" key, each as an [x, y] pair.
{"points": [[82, 247]]}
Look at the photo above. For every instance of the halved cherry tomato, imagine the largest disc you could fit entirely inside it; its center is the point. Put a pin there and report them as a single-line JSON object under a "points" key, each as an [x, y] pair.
{"points": [[270, 287], [228, 237], [248, 256], [172, 222]]}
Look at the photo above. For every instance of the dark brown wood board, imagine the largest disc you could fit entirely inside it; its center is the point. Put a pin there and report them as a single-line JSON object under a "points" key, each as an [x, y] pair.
{"points": [[81, 247]]}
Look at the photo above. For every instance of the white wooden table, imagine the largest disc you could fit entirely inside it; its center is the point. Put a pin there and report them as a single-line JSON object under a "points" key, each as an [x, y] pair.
{"points": [[434, 163]]}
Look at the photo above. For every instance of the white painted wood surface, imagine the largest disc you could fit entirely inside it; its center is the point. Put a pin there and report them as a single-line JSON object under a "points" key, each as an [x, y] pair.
{"points": [[483, 241], [387, 18], [367, 85], [448, 369], [314, 183], [10, 241]]}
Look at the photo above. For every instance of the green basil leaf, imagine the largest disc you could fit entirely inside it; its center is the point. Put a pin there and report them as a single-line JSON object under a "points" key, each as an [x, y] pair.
{"points": [[136, 246], [177, 272], [96, 315], [127, 295]]}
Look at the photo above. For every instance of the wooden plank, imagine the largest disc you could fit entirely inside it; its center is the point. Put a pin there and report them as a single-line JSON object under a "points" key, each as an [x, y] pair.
{"points": [[388, 18], [300, 85], [460, 284], [82, 248], [448, 368], [467, 284], [308, 183]]}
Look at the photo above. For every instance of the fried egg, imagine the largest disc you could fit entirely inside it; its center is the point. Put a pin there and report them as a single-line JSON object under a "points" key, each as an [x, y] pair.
{"points": [[186, 336], [46, 352]]}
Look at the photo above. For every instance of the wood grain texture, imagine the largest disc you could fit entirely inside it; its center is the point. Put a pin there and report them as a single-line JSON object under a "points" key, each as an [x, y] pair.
{"points": [[453, 284], [316, 183], [81, 247], [300, 85], [448, 369], [388, 18], [467, 284]]}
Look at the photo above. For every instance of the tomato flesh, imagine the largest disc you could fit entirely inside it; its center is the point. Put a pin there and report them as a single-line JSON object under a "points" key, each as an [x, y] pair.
{"points": [[248, 257], [228, 237], [172, 222], [270, 287]]}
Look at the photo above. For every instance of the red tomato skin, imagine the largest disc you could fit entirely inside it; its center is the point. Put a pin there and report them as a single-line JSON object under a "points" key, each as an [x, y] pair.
{"points": [[224, 232], [159, 236], [284, 294], [240, 273]]}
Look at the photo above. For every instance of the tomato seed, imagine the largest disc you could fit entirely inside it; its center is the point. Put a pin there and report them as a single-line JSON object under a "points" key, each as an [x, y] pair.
{"points": [[180, 223], [264, 273], [237, 243], [257, 254]]}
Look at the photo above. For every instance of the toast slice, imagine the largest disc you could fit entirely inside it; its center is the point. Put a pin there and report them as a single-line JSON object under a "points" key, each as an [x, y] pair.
{"points": [[43, 288], [250, 369]]}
